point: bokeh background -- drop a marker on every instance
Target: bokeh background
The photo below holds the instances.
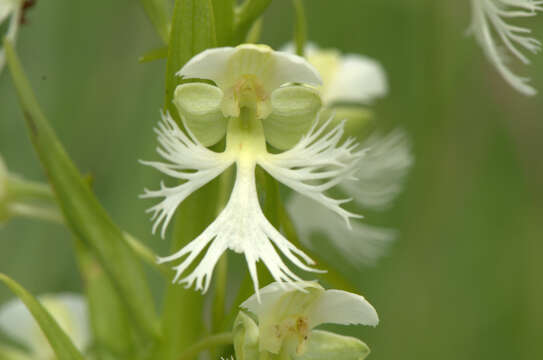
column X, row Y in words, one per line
column 463, row 281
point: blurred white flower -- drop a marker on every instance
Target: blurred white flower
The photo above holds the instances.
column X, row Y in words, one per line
column 489, row 18
column 9, row 8
column 249, row 78
column 347, row 78
column 68, row 310
column 287, row 316
column 355, row 80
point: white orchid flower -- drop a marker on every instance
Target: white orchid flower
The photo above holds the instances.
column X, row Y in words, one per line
column 348, row 78
column 252, row 107
column 349, row 82
column 68, row 310
column 490, row 16
column 9, row 8
column 287, row 316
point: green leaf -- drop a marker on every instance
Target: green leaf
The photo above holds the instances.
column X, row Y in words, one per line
column 182, row 319
column 59, row 341
column 158, row 13
column 246, row 15
column 324, row 345
column 224, row 20
column 300, row 27
column 193, row 31
column 108, row 317
column 155, row 54
column 11, row 353
column 82, row 211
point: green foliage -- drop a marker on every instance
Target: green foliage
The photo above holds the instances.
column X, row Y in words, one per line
column 82, row 211
column 60, row 342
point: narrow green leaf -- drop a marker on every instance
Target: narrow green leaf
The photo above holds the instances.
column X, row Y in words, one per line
column 253, row 36
column 246, row 15
column 109, row 319
column 159, row 14
column 82, row 211
column 182, row 319
column 193, row 31
column 60, row 342
column 224, row 21
column 155, row 54
column 300, row 27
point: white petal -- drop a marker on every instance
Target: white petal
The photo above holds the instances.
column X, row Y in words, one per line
column 382, row 170
column 342, row 307
column 242, row 227
column 271, row 293
column 69, row 310
column 487, row 17
column 358, row 79
column 226, row 65
column 363, row 244
column 187, row 160
column 316, row 164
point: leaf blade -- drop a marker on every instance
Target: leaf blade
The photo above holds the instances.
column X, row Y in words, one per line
column 83, row 213
column 59, row 341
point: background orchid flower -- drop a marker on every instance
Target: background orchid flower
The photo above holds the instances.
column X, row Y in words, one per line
column 9, row 9
column 251, row 107
column 350, row 83
column 490, row 16
column 287, row 317
column 70, row 312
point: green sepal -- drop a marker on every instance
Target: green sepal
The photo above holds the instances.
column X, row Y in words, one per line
column 83, row 213
column 295, row 109
column 359, row 121
column 324, row 345
column 59, row 341
column 199, row 105
column 246, row 14
column 245, row 337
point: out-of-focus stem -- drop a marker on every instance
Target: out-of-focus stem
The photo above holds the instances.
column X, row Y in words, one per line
column 207, row 343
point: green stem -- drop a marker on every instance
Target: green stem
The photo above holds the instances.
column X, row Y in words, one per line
column 300, row 27
column 146, row 254
column 49, row 214
column 20, row 188
column 207, row 343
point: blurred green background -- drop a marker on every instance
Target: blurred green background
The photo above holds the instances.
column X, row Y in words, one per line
column 463, row 281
